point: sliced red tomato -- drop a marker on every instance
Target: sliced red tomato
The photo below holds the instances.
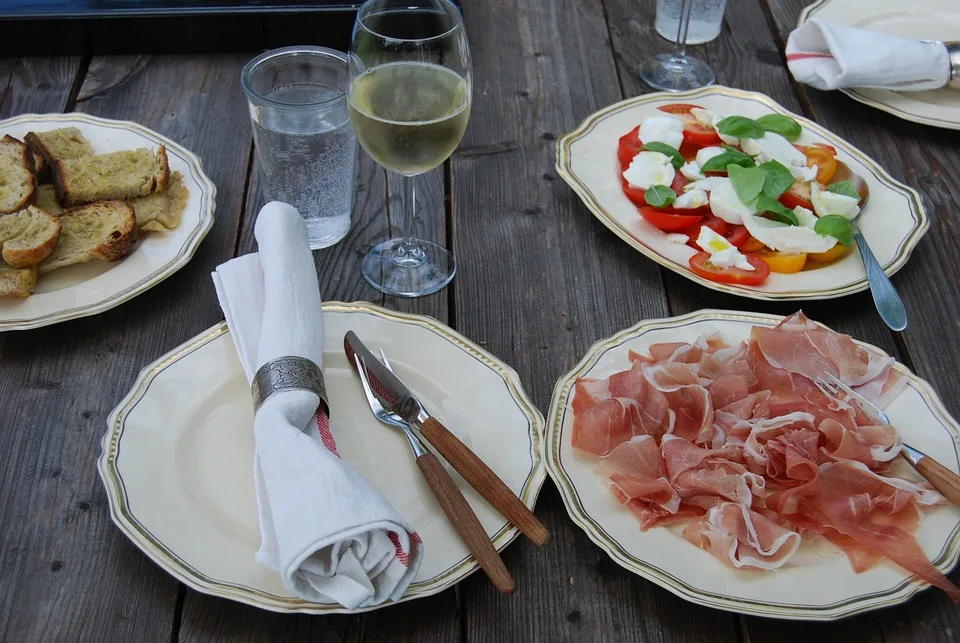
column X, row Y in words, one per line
column 694, row 133
column 628, row 147
column 700, row 264
column 715, row 223
column 668, row 219
column 737, row 235
column 633, row 193
column 798, row 194
column 679, row 181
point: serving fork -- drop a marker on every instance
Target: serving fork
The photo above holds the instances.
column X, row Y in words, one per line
column 451, row 500
column 943, row 479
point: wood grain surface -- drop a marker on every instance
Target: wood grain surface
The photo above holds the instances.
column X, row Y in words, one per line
column 539, row 280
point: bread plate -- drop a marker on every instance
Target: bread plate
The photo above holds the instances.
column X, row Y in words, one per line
column 825, row 587
column 893, row 221
column 178, row 452
column 923, row 19
column 91, row 288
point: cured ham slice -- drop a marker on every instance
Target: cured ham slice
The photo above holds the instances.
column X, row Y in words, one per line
column 743, row 538
column 738, row 441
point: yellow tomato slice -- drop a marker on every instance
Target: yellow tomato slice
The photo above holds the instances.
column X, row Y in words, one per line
column 824, row 158
column 784, row 262
column 751, row 245
column 832, row 254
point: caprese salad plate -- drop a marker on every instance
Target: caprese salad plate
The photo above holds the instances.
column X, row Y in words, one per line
column 731, row 190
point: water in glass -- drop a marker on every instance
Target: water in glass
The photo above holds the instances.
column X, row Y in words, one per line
column 706, row 19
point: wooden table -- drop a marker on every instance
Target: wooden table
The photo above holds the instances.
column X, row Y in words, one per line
column 539, row 281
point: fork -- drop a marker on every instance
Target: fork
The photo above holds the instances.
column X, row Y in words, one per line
column 451, row 500
column 943, row 479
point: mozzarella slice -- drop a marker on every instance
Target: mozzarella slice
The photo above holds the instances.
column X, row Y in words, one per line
column 710, row 119
column 773, row 147
column 826, row 202
column 691, row 170
column 662, row 129
column 725, row 203
column 803, row 174
column 806, row 217
column 649, row 168
column 785, row 237
column 723, row 254
column 705, row 184
column 708, row 153
column 676, row 237
column 691, row 199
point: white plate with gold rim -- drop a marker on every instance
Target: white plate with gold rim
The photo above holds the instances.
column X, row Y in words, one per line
column 893, row 221
column 96, row 286
column 923, row 19
column 177, row 459
column 825, row 587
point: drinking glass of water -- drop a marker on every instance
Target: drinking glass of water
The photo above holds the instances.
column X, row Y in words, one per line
column 677, row 71
column 301, row 130
column 409, row 102
column 706, row 19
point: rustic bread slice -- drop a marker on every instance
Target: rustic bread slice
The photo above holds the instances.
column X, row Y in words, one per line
column 17, row 183
column 162, row 212
column 118, row 175
column 28, row 237
column 63, row 143
column 47, row 199
column 16, row 283
column 104, row 230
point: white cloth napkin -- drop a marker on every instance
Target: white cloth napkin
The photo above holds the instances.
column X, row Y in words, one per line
column 329, row 534
column 829, row 56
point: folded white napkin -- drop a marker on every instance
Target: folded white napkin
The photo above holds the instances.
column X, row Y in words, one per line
column 330, row 535
column 829, row 56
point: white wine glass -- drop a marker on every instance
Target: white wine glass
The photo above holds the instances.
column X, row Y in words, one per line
column 677, row 71
column 409, row 101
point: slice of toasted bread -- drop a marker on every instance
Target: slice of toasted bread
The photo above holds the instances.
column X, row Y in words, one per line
column 16, row 283
column 28, row 237
column 104, row 230
column 17, row 183
column 56, row 144
column 47, row 199
column 118, row 175
column 161, row 212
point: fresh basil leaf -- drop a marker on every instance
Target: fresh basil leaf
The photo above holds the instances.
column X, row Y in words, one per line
column 659, row 196
column 740, row 126
column 675, row 157
column 780, row 124
column 845, row 188
column 778, row 178
column 834, row 225
column 747, row 182
column 777, row 210
column 730, row 156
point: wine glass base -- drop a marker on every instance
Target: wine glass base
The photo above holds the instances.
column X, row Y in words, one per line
column 671, row 73
column 390, row 269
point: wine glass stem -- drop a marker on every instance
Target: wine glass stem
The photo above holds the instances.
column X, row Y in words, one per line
column 408, row 253
column 683, row 24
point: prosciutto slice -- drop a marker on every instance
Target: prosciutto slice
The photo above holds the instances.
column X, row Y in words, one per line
column 738, row 441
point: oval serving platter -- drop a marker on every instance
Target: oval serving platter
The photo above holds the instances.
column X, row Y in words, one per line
column 96, row 286
column 825, row 587
column 893, row 221
column 177, row 459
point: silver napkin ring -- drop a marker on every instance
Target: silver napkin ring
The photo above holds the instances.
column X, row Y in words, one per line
column 953, row 51
column 290, row 373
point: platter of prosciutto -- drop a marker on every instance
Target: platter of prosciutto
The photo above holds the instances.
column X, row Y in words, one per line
column 734, row 192
column 698, row 452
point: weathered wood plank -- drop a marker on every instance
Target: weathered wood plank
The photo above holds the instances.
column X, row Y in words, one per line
column 37, row 85
column 925, row 158
column 69, row 574
column 540, row 280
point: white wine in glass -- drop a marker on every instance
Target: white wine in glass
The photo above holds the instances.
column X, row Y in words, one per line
column 409, row 103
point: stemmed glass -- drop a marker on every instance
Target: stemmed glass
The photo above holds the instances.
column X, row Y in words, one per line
column 675, row 72
column 409, row 101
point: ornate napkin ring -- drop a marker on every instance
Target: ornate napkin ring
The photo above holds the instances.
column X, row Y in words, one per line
column 953, row 50
column 290, row 373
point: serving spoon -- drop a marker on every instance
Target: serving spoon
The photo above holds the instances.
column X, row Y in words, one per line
column 885, row 296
